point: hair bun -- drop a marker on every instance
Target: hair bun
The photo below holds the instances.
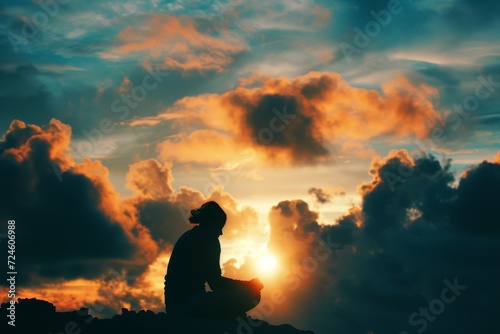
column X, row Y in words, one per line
column 195, row 213
column 209, row 213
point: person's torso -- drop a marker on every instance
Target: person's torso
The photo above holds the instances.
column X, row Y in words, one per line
column 187, row 270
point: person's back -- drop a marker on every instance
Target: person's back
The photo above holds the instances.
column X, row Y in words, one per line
column 193, row 262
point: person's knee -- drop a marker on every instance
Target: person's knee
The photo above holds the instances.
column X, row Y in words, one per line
column 253, row 295
column 251, row 298
column 256, row 297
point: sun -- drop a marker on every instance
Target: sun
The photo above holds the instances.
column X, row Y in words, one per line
column 268, row 264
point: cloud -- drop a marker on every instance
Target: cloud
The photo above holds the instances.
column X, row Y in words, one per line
column 296, row 134
column 400, row 187
column 320, row 195
column 293, row 229
column 391, row 256
column 125, row 86
column 148, row 178
column 326, row 55
column 193, row 148
column 299, row 121
column 242, row 222
column 322, row 16
column 475, row 209
column 324, row 196
column 178, row 42
column 69, row 221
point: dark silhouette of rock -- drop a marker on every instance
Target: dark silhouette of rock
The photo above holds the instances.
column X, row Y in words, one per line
column 39, row 316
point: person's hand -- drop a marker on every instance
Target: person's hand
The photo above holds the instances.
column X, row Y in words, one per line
column 256, row 284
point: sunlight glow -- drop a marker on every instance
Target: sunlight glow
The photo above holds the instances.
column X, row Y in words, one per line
column 268, row 264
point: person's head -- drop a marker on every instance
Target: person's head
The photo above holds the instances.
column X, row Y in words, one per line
column 210, row 216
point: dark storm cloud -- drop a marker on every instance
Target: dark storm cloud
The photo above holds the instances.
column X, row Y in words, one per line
column 318, row 88
column 63, row 228
column 412, row 243
column 387, row 200
column 290, row 126
column 294, row 220
column 476, row 206
column 340, row 233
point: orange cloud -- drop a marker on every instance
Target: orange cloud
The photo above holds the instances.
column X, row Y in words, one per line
column 74, row 203
column 201, row 146
column 322, row 15
column 357, row 148
column 125, row 86
column 497, row 158
column 300, row 121
column 21, row 141
column 293, row 229
column 150, row 179
column 326, row 55
column 241, row 222
column 254, row 79
column 400, row 156
column 151, row 121
column 179, row 43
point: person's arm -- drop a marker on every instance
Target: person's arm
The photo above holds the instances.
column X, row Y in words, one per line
column 214, row 274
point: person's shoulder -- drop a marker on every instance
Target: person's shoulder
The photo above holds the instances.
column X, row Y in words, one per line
column 186, row 242
column 190, row 235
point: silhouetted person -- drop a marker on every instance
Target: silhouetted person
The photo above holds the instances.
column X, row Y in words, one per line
column 195, row 260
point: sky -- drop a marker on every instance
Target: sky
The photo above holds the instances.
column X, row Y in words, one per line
column 354, row 145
